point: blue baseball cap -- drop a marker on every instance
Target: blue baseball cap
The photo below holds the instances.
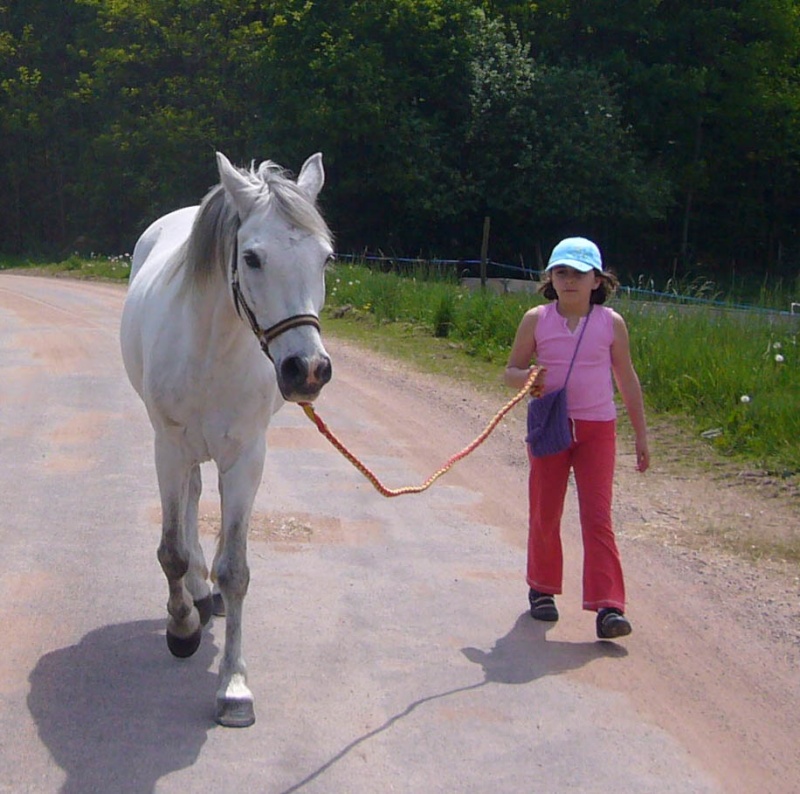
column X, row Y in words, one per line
column 577, row 252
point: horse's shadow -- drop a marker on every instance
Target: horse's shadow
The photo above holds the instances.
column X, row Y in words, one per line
column 117, row 712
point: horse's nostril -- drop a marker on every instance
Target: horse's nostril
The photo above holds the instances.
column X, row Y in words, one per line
column 324, row 370
column 294, row 370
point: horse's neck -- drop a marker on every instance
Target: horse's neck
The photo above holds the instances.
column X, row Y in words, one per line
column 213, row 317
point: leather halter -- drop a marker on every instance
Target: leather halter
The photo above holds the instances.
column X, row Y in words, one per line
column 264, row 335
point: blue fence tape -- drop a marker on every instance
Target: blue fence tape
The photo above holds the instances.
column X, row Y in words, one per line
column 535, row 274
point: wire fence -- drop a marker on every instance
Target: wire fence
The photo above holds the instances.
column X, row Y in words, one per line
column 461, row 267
column 470, row 267
column 691, row 300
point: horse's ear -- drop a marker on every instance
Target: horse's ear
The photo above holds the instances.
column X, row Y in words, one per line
column 312, row 176
column 235, row 185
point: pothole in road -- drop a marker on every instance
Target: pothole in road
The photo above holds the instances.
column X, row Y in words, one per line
column 288, row 531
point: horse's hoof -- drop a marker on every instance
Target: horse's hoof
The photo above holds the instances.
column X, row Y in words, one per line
column 219, row 605
column 205, row 607
column 235, row 713
column 184, row 647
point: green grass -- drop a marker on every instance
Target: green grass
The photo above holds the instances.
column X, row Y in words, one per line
column 719, row 373
column 114, row 268
column 482, row 324
column 736, row 377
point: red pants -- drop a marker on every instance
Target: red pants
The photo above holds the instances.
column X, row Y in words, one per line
column 592, row 457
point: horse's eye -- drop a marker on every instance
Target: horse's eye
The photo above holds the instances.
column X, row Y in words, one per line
column 251, row 260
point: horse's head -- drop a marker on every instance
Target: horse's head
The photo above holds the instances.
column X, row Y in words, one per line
column 277, row 269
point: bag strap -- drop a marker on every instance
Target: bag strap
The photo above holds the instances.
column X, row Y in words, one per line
column 585, row 323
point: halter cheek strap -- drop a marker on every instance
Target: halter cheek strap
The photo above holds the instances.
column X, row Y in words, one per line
column 264, row 336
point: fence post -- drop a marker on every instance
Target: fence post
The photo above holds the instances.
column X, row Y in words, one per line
column 485, row 250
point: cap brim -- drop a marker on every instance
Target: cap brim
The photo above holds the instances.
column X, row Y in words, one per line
column 574, row 263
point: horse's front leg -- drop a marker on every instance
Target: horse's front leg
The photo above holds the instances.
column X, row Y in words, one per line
column 197, row 575
column 238, row 487
column 184, row 629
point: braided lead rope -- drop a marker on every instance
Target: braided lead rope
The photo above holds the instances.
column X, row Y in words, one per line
column 409, row 489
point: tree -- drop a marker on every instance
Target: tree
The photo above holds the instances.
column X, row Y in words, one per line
column 381, row 89
column 664, row 127
column 159, row 81
column 549, row 152
column 37, row 124
column 709, row 87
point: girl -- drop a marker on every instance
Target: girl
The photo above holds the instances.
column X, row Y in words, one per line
column 577, row 286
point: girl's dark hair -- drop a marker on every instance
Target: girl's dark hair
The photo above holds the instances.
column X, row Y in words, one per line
column 608, row 285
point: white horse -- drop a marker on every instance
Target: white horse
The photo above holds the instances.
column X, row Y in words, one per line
column 212, row 290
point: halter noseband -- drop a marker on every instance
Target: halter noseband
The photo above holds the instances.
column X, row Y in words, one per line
column 264, row 336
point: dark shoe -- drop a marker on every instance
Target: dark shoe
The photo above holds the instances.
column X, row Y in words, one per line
column 612, row 623
column 543, row 606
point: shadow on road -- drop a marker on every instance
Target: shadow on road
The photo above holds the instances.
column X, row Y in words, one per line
column 117, row 712
column 525, row 654
column 519, row 657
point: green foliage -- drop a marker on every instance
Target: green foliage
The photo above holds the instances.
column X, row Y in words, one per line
column 480, row 322
column 565, row 130
column 666, row 130
column 381, row 89
column 444, row 313
column 734, row 375
column 112, row 268
column 711, row 90
column 737, row 375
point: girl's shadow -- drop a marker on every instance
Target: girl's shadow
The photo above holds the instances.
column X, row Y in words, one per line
column 525, row 654
column 519, row 657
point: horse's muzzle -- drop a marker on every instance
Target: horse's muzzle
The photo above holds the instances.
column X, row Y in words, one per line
column 302, row 377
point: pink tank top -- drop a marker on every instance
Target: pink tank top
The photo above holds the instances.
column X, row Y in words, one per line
column 590, row 390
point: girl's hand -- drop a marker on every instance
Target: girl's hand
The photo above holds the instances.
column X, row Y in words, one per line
column 537, row 387
column 642, row 455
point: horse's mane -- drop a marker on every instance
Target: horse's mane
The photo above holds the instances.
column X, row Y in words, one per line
column 211, row 241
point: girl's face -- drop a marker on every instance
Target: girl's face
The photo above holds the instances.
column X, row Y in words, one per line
column 572, row 285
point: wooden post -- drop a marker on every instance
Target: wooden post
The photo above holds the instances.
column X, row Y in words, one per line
column 485, row 250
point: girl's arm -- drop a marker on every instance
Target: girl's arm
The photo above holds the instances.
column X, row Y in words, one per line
column 523, row 351
column 631, row 390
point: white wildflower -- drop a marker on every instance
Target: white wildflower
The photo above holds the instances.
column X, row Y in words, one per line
column 745, row 398
column 779, row 358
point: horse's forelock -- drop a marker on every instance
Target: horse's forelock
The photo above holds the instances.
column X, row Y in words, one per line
column 290, row 200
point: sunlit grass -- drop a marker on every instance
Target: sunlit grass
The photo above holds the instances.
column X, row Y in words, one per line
column 734, row 376
column 109, row 268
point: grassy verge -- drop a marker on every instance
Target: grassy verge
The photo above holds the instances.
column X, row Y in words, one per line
column 115, row 268
column 722, row 388
column 733, row 377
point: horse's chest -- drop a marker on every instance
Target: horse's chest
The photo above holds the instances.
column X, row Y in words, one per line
column 214, row 401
